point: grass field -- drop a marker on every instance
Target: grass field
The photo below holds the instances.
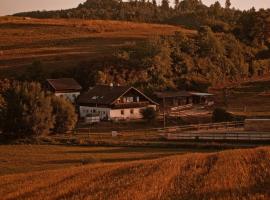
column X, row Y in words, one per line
column 64, row 43
column 249, row 99
column 29, row 158
column 234, row 175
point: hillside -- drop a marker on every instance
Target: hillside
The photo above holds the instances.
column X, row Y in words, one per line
column 249, row 98
column 238, row 174
column 66, row 42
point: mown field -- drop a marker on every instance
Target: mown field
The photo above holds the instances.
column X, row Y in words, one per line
column 234, row 175
column 62, row 43
column 28, row 158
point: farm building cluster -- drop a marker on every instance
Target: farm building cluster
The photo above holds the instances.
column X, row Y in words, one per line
column 114, row 102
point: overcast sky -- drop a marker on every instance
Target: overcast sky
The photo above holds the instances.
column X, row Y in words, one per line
column 12, row 6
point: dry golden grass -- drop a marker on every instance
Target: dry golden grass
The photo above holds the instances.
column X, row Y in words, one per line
column 28, row 158
column 59, row 41
column 235, row 175
column 246, row 99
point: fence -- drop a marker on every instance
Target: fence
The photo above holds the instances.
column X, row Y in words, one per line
column 236, row 136
column 206, row 127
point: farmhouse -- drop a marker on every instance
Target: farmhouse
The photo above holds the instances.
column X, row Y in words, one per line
column 114, row 102
column 64, row 87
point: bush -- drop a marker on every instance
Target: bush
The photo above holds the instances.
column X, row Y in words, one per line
column 65, row 117
column 221, row 115
column 149, row 114
column 26, row 110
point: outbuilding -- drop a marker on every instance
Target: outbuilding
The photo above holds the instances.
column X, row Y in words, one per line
column 68, row 88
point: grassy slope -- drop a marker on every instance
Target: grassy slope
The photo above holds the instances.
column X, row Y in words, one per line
column 63, row 43
column 239, row 174
column 249, row 98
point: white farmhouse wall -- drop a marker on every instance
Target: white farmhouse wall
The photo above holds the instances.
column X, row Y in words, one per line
column 103, row 112
column 113, row 114
column 70, row 96
column 124, row 114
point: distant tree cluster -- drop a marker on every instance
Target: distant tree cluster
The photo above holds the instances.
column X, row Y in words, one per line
column 175, row 62
column 27, row 110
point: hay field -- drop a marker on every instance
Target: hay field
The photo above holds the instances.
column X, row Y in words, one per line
column 235, row 175
column 28, row 158
column 66, row 42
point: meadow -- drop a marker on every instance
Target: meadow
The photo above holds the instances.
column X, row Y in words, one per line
column 250, row 98
column 228, row 175
column 63, row 43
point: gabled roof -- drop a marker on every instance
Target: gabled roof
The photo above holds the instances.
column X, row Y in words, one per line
column 64, row 84
column 106, row 95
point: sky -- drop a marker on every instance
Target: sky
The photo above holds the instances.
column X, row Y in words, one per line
column 8, row 7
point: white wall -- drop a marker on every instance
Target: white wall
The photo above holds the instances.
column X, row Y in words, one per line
column 70, row 96
column 113, row 114
column 127, row 114
column 103, row 112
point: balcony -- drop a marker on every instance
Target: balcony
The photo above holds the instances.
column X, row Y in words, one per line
column 130, row 105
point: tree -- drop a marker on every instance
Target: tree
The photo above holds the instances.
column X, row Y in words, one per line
column 65, row 117
column 228, row 4
column 27, row 111
column 221, row 115
column 149, row 114
column 176, row 4
column 165, row 4
column 209, row 43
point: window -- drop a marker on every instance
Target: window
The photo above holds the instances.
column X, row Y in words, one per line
column 122, row 112
column 138, row 99
column 131, row 111
column 129, row 99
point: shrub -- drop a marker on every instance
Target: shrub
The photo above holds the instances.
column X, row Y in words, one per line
column 65, row 117
column 27, row 110
column 221, row 115
column 149, row 114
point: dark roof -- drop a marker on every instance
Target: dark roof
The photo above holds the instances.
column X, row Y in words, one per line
column 106, row 95
column 172, row 94
column 201, row 94
column 64, row 84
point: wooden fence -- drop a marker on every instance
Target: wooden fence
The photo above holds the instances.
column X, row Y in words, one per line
column 205, row 127
column 230, row 136
column 231, row 131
